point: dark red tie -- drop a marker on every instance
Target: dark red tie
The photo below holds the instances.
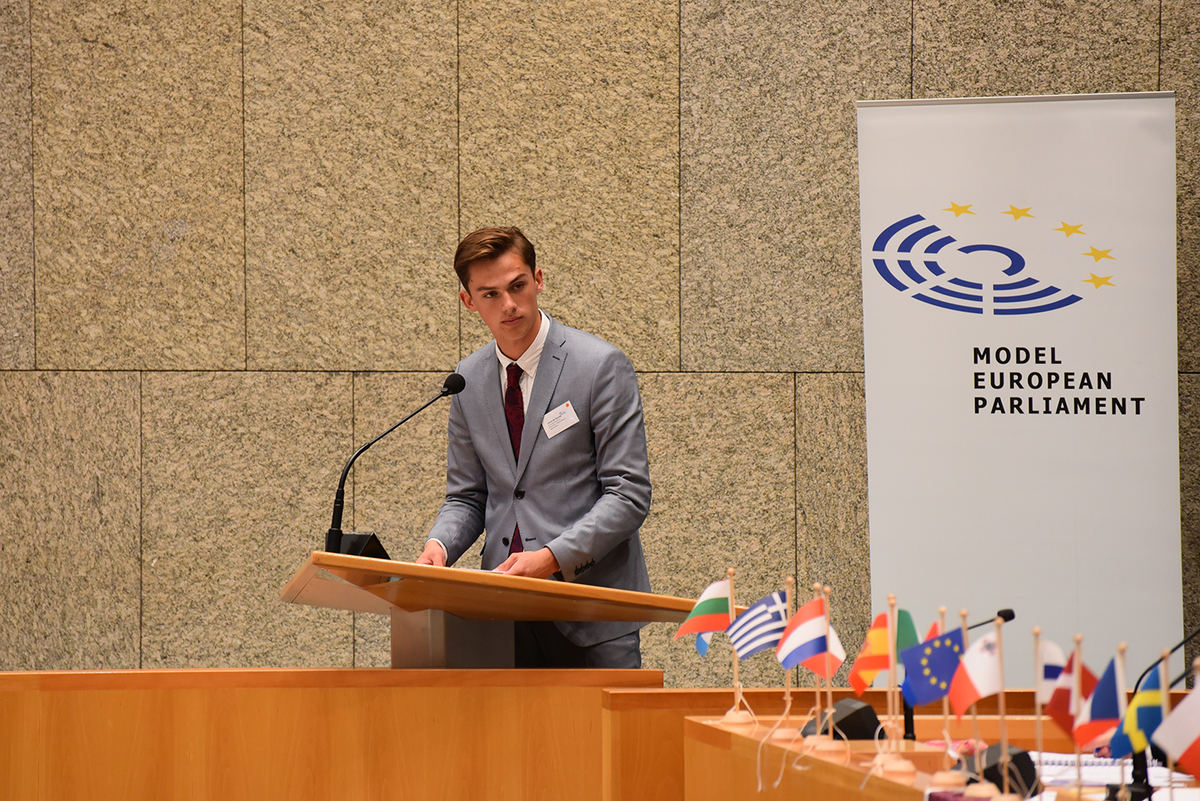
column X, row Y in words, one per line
column 514, row 414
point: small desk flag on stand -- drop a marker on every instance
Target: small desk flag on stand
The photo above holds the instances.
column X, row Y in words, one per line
column 1061, row 709
column 709, row 614
column 978, row 674
column 1141, row 719
column 1101, row 711
column 759, row 627
column 1179, row 734
column 1052, row 661
column 929, row 668
column 804, row 641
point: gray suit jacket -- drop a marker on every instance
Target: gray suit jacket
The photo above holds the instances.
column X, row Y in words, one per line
column 582, row 493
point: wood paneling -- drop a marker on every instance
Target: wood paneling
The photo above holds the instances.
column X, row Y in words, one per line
column 319, row 734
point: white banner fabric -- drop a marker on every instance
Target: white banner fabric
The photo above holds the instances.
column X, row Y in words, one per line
column 1021, row 369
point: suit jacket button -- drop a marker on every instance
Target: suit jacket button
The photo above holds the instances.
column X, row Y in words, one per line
column 519, row 494
column 504, row 540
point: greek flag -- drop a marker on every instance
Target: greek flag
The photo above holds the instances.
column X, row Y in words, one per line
column 759, row 626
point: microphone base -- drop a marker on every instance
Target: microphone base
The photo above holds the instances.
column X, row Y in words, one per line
column 333, row 540
column 1137, row 792
column 355, row 543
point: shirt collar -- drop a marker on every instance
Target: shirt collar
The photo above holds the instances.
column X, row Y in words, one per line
column 528, row 361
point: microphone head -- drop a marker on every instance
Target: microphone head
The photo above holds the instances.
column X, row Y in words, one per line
column 453, row 384
column 1007, row 615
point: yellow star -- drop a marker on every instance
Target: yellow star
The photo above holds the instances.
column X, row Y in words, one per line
column 1071, row 229
column 1018, row 213
column 1100, row 254
column 959, row 210
column 1099, row 280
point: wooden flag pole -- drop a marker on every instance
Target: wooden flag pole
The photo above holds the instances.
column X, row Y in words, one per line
column 946, row 761
column 1121, row 648
column 891, row 691
column 1003, row 729
column 1164, row 681
column 828, row 661
column 816, row 588
column 1039, row 670
column 737, row 685
column 1076, row 691
column 789, row 583
column 962, row 614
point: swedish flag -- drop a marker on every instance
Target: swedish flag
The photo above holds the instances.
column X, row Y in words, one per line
column 1141, row 719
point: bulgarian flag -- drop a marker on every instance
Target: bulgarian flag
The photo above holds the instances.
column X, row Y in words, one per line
column 711, row 612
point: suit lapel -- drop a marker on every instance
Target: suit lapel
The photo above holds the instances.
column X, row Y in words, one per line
column 550, row 366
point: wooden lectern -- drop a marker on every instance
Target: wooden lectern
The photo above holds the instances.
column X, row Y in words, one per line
column 445, row 617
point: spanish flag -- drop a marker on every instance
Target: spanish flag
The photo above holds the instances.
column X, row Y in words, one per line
column 873, row 655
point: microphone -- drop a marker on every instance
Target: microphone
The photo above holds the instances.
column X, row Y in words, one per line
column 1007, row 615
column 453, row 385
column 1140, row 783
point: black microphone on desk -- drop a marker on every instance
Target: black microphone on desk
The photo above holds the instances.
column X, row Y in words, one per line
column 1139, row 786
column 368, row 544
column 1007, row 615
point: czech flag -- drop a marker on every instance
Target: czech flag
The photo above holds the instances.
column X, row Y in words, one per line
column 1103, row 709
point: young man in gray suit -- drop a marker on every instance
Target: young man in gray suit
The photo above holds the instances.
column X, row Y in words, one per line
column 547, row 453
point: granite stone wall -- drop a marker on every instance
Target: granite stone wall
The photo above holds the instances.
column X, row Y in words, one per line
column 225, row 242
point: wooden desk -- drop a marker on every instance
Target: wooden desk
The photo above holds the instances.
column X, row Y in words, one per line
column 723, row 765
column 305, row 735
column 645, row 730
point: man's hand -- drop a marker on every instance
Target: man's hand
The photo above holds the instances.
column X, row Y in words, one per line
column 433, row 554
column 535, row 564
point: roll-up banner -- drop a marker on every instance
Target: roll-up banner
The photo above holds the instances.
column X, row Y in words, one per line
column 1018, row 261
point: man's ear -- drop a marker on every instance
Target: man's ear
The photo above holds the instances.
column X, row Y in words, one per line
column 465, row 297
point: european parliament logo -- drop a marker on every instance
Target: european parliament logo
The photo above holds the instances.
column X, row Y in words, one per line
column 922, row 260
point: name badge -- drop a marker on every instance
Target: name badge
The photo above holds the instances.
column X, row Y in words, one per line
column 558, row 420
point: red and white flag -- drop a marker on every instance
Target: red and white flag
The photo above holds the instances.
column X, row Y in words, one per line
column 1179, row 734
column 1061, row 708
column 978, row 674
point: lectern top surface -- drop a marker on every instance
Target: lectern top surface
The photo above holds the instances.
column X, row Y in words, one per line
column 378, row 585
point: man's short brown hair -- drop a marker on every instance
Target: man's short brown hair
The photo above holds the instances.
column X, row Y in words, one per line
column 491, row 243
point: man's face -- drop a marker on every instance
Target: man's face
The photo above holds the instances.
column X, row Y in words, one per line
column 504, row 293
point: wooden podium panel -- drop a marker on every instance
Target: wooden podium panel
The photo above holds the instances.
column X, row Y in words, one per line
column 645, row 741
column 377, row 585
column 305, row 735
column 724, row 765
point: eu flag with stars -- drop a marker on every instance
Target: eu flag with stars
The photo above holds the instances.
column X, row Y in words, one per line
column 929, row 667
